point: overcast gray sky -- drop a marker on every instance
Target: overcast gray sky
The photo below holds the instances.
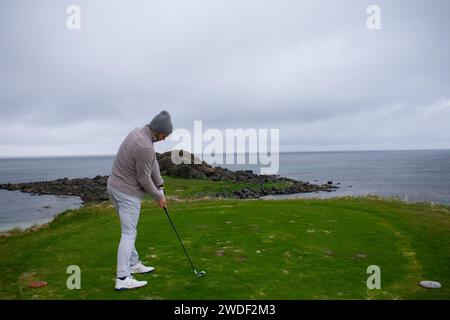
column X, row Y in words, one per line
column 310, row 68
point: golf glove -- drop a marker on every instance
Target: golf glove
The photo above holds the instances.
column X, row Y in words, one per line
column 161, row 190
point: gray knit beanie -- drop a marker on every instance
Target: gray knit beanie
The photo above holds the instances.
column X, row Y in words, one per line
column 161, row 123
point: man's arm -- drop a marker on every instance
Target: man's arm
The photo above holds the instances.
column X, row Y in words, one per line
column 145, row 159
column 156, row 174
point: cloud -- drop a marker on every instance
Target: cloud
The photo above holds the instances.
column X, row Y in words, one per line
column 311, row 69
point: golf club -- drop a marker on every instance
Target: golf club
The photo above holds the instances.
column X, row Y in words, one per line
column 198, row 274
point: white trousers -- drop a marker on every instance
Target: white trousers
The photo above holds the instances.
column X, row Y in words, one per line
column 128, row 207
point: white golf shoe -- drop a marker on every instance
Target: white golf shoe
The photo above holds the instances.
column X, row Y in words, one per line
column 140, row 268
column 129, row 283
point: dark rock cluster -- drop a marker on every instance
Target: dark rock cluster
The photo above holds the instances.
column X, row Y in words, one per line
column 88, row 189
column 94, row 189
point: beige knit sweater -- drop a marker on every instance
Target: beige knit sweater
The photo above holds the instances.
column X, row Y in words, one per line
column 136, row 170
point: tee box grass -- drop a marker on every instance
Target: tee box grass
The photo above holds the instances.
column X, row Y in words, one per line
column 250, row 249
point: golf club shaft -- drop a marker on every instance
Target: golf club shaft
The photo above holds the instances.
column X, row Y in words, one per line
column 182, row 245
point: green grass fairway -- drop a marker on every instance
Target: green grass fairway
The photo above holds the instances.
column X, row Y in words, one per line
column 255, row 249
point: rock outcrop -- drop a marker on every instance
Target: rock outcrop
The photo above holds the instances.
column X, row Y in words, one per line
column 94, row 189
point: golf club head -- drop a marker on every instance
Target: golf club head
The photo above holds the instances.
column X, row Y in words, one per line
column 200, row 274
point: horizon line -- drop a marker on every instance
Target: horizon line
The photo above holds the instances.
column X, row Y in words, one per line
column 297, row 151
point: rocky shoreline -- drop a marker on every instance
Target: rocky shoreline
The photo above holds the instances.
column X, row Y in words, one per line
column 94, row 189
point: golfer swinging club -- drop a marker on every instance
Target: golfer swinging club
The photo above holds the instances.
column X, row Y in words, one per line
column 136, row 173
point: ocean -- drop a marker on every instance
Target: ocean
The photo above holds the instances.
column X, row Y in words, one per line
column 23, row 210
column 411, row 175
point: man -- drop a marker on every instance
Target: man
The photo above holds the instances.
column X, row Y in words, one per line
column 136, row 173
